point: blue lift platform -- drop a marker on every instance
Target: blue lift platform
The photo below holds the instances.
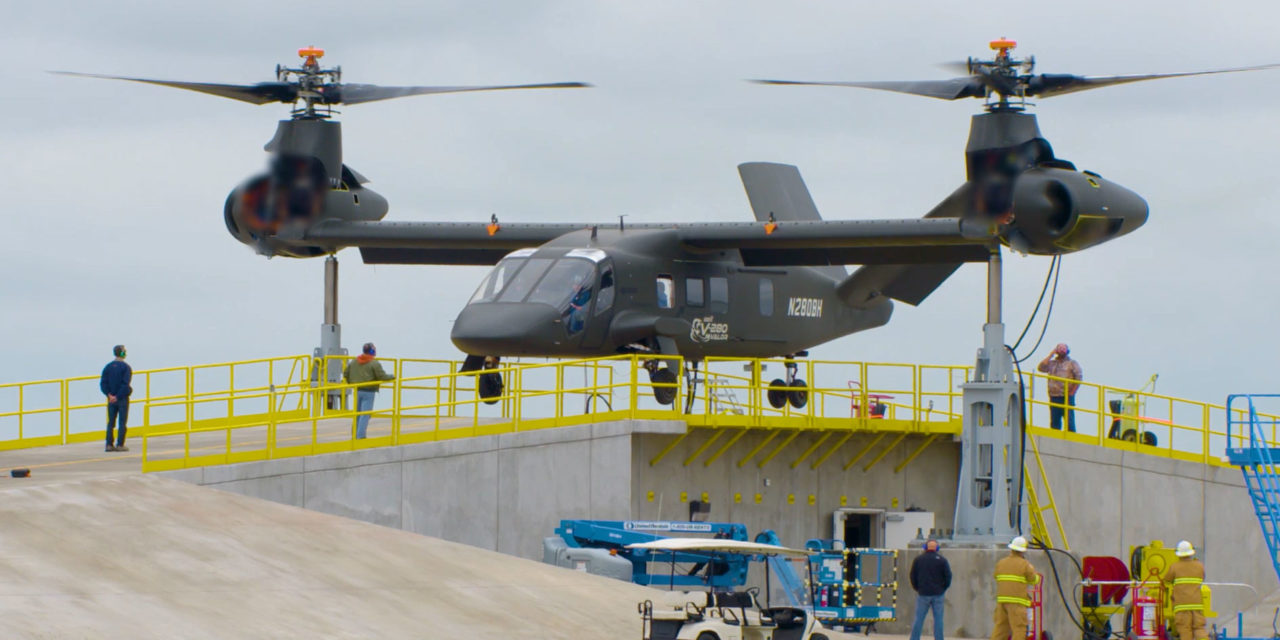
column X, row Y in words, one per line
column 849, row 587
column 720, row 572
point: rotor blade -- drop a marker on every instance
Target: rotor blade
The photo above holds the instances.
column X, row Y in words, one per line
column 950, row 89
column 357, row 93
column 1049, row 85
column 260, row 93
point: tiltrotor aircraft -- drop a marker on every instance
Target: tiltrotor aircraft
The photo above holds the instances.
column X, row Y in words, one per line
column 773, row 287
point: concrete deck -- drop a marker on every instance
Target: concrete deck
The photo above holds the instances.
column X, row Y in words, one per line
column 88, row 460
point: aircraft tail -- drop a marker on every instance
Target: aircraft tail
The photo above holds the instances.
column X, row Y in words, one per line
column 778, row 190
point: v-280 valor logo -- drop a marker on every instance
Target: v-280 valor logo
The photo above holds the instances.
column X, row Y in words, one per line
column 708, row 330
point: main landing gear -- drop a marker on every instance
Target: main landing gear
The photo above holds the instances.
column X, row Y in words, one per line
column 662, row 376
column 793, row 390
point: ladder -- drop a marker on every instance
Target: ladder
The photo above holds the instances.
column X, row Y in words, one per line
column 721, row 396
column 1257, row 461
column 1039, row 524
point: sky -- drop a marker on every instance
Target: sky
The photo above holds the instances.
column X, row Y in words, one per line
column 114, row 190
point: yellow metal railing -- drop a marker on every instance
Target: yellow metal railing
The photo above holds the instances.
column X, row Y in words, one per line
column 272, row 407
column 71, row 410
column 1039, row 504
column 1139, row 421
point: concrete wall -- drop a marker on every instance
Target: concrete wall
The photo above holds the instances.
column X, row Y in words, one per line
column 507, row 492
column 504, row 492
column 928, row 482
column 1111, row 500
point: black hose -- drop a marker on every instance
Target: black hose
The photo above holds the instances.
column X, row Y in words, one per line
column 1049, row 312
column 1071, row 606
column 1022, row 427
column 1034, row 312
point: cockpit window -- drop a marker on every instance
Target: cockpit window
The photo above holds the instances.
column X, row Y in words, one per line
column 605, row 301
column 493, row 283
column 565, row 281
column 525, row 279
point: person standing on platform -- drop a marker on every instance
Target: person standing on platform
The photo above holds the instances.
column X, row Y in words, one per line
column 930, row 577
column 1184, row 579
column 116, row 377
column 1062, row 393
column 1014, row 578
column 367, row 374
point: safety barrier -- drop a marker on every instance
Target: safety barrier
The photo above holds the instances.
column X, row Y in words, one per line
column 71, row 410
column 1139, row 421
column 275, row 407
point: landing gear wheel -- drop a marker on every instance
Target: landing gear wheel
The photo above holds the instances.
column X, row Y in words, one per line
column 777, row 393
column 798, row 396
column 490, row 387
column 1149, row 438
column 664, row 395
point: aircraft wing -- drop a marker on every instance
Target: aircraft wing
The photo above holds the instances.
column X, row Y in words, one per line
column 789, row 243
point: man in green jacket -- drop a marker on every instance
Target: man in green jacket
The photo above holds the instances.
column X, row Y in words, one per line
column 367, row 373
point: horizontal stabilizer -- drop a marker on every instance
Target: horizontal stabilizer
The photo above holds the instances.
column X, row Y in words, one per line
column 912, row 283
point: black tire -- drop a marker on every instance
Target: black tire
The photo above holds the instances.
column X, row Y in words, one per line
column 490, row 387
column 1149, row 439
column 1130, row 435
column 818, row 636
column 798, row 396
column 707, row 635
column 777, row 393
column 664, row 395
column 1046, row 635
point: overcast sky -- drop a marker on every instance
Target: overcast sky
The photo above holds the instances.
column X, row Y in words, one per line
column 114, row 191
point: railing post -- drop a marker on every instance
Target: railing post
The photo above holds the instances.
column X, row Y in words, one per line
column 65, row 418
column 559, row 390
column 396, row 403
column 635, row 387
column 191, row 408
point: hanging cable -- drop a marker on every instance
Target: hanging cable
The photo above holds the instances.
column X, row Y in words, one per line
column 1022, row 428
column 1053, row 295
column 1053, row 264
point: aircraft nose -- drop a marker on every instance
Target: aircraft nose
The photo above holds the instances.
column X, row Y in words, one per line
column 506, row 329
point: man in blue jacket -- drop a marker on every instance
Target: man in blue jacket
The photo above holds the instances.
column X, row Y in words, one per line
column 116, row 377
column 930, row 577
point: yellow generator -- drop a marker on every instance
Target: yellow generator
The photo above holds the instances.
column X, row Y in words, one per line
column 1134, row 591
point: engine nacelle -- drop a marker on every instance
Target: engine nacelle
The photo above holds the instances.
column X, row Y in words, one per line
column 1058, row 210
column 271, row 212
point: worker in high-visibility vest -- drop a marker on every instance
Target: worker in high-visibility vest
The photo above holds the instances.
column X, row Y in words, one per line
column 1184, row 579
column 1014, row 577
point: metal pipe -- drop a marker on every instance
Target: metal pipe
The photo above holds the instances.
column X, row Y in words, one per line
column 994, row 287
column 331, row 290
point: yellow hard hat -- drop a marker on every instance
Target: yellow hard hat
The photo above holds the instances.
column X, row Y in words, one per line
column 1018, row 544
column 1185, row 550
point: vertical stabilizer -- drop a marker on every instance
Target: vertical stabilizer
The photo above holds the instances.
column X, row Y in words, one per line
column 777, row 190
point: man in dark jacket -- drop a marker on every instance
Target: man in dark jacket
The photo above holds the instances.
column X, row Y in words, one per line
column 116, row 377
column 930, row 577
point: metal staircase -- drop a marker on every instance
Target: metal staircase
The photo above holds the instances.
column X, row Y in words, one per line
column 1257, row 460
column 1040, row 524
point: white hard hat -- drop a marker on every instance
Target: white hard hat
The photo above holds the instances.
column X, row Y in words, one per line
column 1018, row 544
column 1185, row 550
